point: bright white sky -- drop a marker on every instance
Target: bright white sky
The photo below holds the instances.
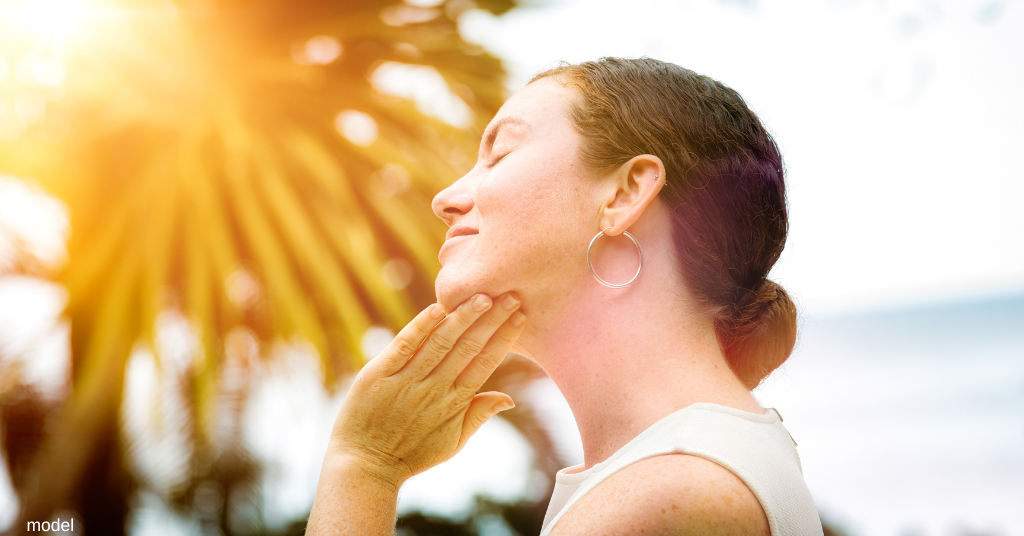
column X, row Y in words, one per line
column 899, row 122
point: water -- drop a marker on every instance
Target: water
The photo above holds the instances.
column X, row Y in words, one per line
column 911, row 421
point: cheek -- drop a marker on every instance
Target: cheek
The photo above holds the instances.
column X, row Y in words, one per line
column 532, row 225
column 531, row 215
column 534, row 189
column 515, row 206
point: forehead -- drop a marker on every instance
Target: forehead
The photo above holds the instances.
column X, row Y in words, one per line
column 542, row 105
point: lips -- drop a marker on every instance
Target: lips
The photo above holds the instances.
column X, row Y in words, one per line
column 451, row 238
column 459, row 230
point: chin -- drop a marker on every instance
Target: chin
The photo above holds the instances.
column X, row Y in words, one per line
column 456, row 284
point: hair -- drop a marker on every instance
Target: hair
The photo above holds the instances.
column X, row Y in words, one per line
column 724, row 184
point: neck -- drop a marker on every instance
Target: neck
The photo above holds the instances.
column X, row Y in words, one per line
column 626, row 358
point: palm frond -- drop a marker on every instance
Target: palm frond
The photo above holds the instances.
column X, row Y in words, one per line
column 199, row 148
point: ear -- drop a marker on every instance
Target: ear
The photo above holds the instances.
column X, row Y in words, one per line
column 632, row 187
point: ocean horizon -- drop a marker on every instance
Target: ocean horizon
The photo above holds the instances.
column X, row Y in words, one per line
column 910, row 420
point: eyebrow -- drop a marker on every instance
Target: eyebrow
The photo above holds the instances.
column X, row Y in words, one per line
column 492, row 132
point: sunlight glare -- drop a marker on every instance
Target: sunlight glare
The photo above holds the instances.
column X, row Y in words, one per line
column 319, row 50
column 58, row 19
column 424, row 85
column 397, row 273
column 357, row 127
column 29, row 107
column 48, row 72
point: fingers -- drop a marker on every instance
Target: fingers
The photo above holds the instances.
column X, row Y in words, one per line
column 405, row 344
column 481, row 409
column 446, row 334
column 481, row 367
column 475, row 339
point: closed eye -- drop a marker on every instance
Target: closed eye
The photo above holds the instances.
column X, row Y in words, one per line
column 494, row 162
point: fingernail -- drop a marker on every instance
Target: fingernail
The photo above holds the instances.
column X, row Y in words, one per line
column 503, row 406
column 436, row 311
column 509, row 302
column 481, row 302
column 517, row 319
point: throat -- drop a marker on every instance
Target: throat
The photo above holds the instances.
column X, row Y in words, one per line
column 619, row 380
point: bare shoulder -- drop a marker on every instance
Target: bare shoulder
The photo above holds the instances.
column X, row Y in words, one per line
column 674, row 494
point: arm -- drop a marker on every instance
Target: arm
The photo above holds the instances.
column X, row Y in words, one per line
column 674, row 494
column 352, row 500
column 409, row 409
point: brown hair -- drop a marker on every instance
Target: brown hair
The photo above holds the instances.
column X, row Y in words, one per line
column 724, row 183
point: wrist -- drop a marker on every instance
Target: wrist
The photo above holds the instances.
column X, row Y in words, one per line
column 365, row 469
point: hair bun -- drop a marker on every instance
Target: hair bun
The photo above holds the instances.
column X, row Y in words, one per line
column 759, row 332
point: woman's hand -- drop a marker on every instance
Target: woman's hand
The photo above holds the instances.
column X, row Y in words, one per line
column 415, row 405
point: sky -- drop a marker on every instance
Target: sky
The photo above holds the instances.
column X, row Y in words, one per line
column 898, row 121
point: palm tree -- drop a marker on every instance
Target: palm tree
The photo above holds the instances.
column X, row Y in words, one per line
column 29, row 257
column 232, row 160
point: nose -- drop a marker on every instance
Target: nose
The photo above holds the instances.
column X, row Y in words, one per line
column 455, row 200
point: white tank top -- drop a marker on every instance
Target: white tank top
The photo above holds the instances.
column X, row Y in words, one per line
column 756, row 448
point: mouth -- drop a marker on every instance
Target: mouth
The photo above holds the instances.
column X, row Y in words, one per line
column 455, row 234
column 459, row 230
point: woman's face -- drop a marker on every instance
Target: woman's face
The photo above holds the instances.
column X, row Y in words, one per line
column 521, row 218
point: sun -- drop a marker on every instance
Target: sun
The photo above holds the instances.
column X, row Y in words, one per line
column 57, row 20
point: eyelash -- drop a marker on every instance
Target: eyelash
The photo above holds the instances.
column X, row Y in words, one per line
column 496, row 160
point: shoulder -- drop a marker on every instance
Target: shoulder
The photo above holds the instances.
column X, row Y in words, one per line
column 673, row 494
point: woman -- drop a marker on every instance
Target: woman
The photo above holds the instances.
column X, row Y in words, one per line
column 655, row 338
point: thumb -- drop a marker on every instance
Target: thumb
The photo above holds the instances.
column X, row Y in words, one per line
column 481, row 409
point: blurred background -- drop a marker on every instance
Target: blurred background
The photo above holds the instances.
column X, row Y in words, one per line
column 212, row 212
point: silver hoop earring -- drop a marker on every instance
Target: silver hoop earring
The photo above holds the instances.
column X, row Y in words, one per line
column 602, row 281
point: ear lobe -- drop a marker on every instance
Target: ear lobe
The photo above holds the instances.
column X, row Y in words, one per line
column 640, row 181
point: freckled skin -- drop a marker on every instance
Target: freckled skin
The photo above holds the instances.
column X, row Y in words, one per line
column 536, row 211
column 623, row 358
column 667, row 495
column 529, row 208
